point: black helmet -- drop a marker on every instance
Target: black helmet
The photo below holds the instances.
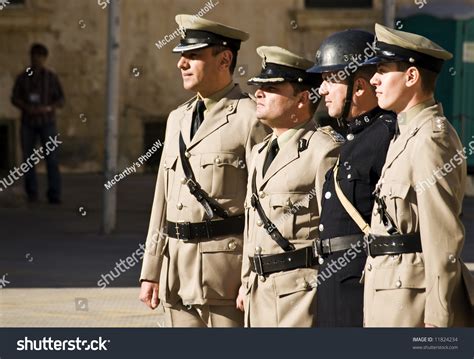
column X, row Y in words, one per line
column 346, row 50
column 342, row 48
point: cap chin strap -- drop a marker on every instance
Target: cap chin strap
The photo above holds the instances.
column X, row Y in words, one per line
column 342, row 120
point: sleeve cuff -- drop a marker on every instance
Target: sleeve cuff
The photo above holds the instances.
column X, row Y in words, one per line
column 151, row 267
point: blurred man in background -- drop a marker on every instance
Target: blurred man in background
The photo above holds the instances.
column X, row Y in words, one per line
column 38, row 93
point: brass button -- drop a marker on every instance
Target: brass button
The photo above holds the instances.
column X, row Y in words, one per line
column 217, row 160
column 350, row 136
column 259, row 223
column 183, row 180
column 288, row 203
column 321, row 227
column 261, row 194
column 179, row 206
column 369, row 267
column 398, row 284
column 452, row 258
column 258, row 250
column 164, row 165
column 327, row 195
column 187, row 154
column 320, row 260
column 232, row 245
column 262, row 278
column 349, row 176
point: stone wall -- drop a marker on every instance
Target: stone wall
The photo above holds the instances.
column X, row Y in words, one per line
column 150, row 86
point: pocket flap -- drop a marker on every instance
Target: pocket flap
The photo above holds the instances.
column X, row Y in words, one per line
column 400, row 277
column 351, row 174
column 170, row 162
column 221, row 159
column 232, row 244
column 292, row 282
column 395, row 190
column 289, row 200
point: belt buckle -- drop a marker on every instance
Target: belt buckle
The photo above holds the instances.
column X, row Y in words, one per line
column 317, row 250
column 185, row 230
column 258, row 265
column 192, row 185
column 368, row 239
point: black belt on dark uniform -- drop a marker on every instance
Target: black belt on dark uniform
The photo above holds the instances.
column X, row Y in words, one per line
column 267, row 264
column 188, row 231
column 393, row 244
column 336, row 244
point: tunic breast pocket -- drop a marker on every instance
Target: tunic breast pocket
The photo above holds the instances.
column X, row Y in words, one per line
column 291, row 215
column 223, row 175
column 169, row 166
column 356, row 186
column 396, row 196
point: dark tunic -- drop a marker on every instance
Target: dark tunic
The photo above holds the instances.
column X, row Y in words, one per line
column 340, row 295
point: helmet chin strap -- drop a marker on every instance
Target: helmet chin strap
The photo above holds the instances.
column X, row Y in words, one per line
column 342, row 120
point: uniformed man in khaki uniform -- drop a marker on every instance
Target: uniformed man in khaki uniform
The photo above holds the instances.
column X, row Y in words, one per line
column 194, row 242
column 279, row 271
column 413, row 275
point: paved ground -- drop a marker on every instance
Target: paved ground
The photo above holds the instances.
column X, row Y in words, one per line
column 44, row 249
column 52, row 257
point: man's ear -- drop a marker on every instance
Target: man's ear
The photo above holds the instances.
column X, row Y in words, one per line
column 412, row 76
column 226, row 58
column 360, row 86
column 304, row 99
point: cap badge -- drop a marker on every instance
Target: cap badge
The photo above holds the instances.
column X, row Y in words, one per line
column 182, row 32
column 388, row 53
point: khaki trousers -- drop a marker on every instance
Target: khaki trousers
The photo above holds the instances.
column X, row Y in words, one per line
column 203, row 316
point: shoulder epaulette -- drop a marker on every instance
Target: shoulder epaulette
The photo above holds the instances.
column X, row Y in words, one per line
column 336, row 136
column 439, row 124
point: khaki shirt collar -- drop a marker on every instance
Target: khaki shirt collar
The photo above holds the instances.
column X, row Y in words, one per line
column 404, row 119
column 210, row 101
column 286, row 136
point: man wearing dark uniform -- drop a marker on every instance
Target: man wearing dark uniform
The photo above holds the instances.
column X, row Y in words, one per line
column 353, row 102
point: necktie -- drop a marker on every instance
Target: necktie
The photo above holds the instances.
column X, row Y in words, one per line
column 198, row 117
column 272, row 153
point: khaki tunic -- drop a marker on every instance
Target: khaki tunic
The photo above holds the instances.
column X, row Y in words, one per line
column 290, row 194
column 423, row 183
column 205, row 272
